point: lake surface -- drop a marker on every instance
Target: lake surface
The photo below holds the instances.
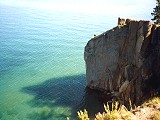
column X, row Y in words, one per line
column 42, row 69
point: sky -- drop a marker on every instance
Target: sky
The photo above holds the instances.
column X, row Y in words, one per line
column 89, row 6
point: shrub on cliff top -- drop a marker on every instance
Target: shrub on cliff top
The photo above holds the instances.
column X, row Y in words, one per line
column 156, row 13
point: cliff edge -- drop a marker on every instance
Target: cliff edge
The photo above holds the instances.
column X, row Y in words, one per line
column 125, row 60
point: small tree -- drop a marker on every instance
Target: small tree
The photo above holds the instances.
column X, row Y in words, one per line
column 156, row 13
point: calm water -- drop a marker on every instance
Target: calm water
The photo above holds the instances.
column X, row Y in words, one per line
column 42, row 71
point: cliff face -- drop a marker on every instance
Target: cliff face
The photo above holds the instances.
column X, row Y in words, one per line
column 125, row 60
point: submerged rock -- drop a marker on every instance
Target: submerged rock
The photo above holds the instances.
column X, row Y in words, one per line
column 125, row 59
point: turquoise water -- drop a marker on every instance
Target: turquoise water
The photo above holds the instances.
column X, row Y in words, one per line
column 42, row 71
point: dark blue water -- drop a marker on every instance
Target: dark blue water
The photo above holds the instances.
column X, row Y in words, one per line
column 42, row 71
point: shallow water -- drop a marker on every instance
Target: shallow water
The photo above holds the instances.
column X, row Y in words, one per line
column 42, row 71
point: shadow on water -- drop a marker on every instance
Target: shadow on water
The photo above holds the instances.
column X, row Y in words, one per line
column 65, row 92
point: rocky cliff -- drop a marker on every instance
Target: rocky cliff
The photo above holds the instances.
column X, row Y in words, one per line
column 125, row 60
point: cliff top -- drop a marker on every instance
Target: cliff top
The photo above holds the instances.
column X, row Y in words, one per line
column 121, row 23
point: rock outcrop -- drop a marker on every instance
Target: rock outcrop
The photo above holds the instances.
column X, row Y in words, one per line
column 125, row 60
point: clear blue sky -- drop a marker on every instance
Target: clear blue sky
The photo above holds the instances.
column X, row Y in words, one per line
column 109, row 7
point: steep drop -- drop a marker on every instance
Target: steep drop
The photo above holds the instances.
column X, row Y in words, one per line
column 125, row 60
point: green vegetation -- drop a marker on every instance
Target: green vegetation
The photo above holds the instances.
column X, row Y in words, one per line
column 148, row 110
column 156, row 13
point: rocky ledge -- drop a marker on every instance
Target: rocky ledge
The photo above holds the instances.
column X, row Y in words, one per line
column 125, row 60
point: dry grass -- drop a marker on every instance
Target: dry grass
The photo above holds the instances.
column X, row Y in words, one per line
column 83, row 115
column 149, row 110
column 154, row 101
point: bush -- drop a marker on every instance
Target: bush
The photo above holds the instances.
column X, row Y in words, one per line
column 148, row 110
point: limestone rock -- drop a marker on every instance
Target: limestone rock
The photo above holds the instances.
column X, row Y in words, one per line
column 125, row 59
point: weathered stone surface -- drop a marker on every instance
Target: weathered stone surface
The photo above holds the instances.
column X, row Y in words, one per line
column 125, row 59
